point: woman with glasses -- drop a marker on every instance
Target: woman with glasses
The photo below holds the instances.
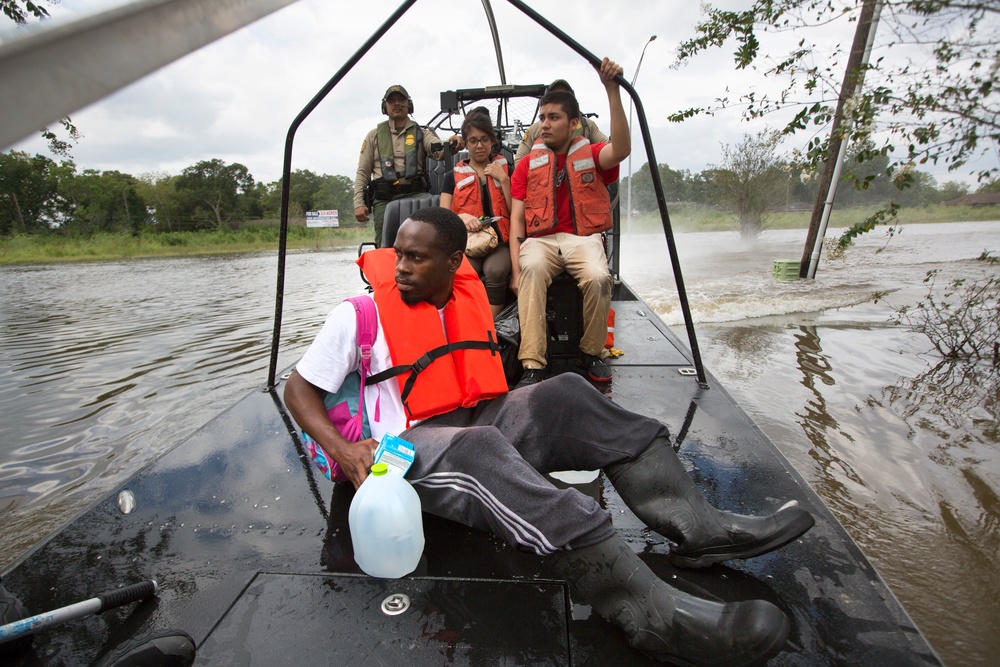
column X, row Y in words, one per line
column 478, row 189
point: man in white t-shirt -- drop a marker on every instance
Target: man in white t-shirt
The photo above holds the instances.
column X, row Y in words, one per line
column 484, row 466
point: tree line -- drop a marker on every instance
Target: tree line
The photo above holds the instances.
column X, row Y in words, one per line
column 753, row 181
column 39, row 195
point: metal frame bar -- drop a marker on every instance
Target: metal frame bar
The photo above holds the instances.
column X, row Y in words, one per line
column 568, row 41
column 286, row 177
column 661, row 200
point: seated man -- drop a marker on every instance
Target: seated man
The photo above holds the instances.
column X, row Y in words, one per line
column 482, row 454
column 560, row 207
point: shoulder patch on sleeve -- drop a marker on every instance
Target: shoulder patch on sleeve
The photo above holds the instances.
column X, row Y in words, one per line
column 364, row 145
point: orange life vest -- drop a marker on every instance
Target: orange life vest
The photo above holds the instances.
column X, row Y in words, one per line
column 439, row 376
column 467, row 196
column 590, row 204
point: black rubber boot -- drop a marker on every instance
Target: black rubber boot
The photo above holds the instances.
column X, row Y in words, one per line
column 664, row 623
column 661, row 493
column 160, row 648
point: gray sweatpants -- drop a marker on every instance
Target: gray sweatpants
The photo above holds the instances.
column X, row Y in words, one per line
column 483, row 466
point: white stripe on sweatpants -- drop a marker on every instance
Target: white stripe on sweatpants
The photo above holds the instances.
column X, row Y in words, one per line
column 523, row 532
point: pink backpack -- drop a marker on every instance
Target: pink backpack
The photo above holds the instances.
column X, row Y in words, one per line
column 342, row 403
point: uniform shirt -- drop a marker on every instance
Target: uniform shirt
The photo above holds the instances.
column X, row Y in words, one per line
column 368, row 163
column 590, row 130
column 564, row 213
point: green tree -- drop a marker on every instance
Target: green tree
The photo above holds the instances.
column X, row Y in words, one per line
column 751, row 181
column 337, row 192
column 922, row 191
column 991, row 186
column 867, row 175
column 213, row 193
column 163, row 204
column 677, row 187
column 303, row 189
column 29, row 193
column 953, row 190
column 310, row 192
column 103, row 202
column 930, row 93
column 800, row 190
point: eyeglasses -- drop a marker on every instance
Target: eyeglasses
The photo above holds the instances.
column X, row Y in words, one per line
column 485, row 141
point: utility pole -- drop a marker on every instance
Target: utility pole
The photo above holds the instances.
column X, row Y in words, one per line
column 853, row 80
column 628, row 203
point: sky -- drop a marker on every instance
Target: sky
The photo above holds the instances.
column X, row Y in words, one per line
column 235, row 99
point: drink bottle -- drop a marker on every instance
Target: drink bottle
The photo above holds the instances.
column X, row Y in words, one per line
column 386, row 525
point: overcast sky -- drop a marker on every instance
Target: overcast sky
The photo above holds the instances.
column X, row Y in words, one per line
column 235, row 99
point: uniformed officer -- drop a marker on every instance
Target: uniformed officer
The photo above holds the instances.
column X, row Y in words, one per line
column 587, row 128
column 391, row 165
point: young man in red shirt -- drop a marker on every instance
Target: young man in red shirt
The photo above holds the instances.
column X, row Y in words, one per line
column 560, row 207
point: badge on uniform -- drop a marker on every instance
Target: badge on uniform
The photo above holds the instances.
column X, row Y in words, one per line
column 364, row 144
column 410, row 140
column 587, row 177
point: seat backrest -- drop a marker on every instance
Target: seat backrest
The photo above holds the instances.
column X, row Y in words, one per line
column 398, row 210
column 437, row 169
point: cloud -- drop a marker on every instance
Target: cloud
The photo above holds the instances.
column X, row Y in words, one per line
column 235, row 99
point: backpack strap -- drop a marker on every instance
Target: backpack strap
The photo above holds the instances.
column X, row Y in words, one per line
column 366, row 320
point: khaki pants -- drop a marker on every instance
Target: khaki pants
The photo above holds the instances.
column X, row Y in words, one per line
column 542, row 258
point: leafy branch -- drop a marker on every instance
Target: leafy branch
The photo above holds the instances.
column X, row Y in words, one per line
column 962, row 321
column 20, row 15
column 930, row 94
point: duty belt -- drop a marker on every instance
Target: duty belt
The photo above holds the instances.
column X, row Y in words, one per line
column 386, row 191
column 406, row 188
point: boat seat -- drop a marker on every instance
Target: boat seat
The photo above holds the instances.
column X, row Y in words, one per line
column 398, row 210
column 437, row 169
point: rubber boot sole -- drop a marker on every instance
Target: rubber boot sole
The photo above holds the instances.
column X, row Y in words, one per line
column 711, row 555
column 770, row 643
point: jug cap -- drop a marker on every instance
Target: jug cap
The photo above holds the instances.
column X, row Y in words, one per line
column 379, row 469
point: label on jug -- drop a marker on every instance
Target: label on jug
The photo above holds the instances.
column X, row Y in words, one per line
column 397, row 454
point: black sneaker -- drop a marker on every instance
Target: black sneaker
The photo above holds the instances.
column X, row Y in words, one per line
column 531, row 376
column 597, row 370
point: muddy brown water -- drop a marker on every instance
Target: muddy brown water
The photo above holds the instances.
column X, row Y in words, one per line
column 107, row 365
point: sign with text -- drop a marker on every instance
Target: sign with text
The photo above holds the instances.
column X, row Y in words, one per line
column 328, row 218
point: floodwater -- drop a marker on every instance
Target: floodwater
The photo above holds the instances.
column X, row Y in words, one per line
column 105, row 366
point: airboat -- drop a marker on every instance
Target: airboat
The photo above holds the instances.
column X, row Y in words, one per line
column 251, row 549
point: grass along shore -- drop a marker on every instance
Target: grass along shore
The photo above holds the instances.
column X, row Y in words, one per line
column 250, row 238
column 263, row 235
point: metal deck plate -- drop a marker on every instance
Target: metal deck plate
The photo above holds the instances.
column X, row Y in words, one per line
column 637, row 332
column 286, row 619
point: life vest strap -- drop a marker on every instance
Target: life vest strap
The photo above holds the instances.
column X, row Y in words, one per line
column 428, row 358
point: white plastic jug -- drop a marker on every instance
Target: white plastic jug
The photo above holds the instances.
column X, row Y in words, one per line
column 386, row 526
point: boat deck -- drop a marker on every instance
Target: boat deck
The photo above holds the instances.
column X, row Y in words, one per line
column 252, row 552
